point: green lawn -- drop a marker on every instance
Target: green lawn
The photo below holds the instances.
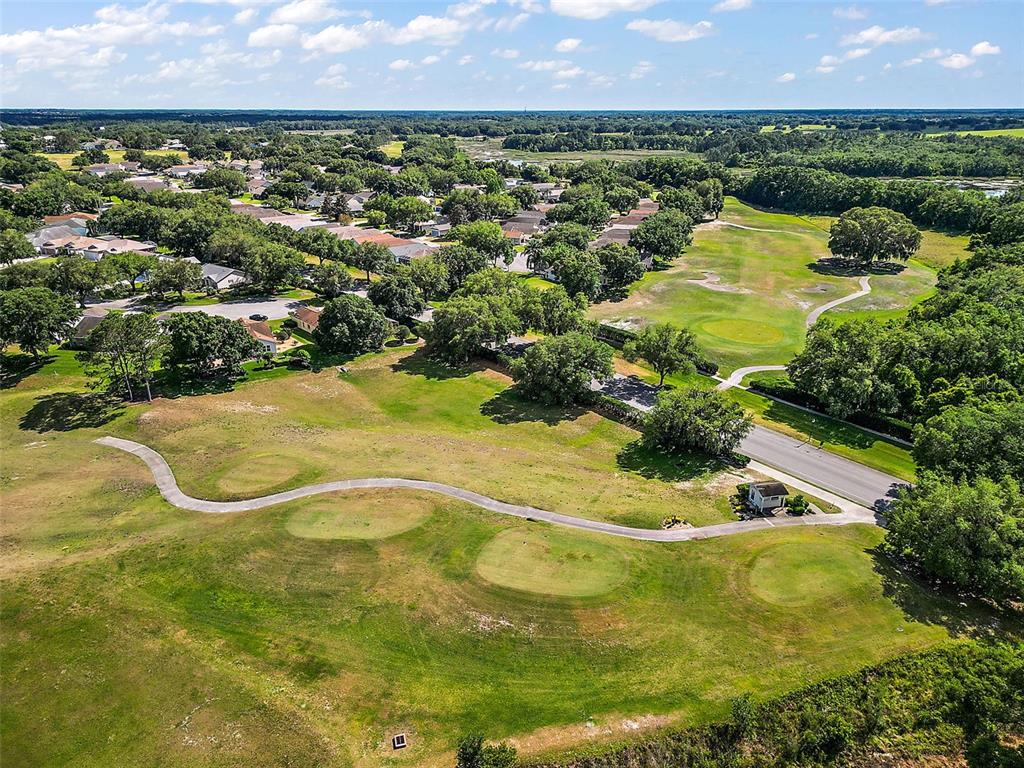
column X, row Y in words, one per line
column 63, row 159
column 393, row 149
column 307, row 634
column 758, row 283
column 1018, row 132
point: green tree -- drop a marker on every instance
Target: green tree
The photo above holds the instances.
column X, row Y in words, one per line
column 558, row 370
column 324, row 244
column 713, row 195
column 622, row 199
column 408, row 212
column 487, row 238
column 125, row 348
column 177, row 275
column 665, row 348
column 14, row 246
column 202, row 344
column 461, row 261
column 867, row 235
column 684, row 200
column 351, row 324
column 74, row 275
column 620, row 266
column 525, row 195
column 464, row 323
column 129, row 266
column 271, row 266
column 230, row 181
column 331, row 280
column 980, row 438
column 580, row 272
column 561, row 312
column 663, row 235
column 376, row 218
column 373, row 257
column 473, row 753
column 695, row 420
column 35, row 318
column 397, row 296
column 430, row 274
column 970, row 535
column 589, row 211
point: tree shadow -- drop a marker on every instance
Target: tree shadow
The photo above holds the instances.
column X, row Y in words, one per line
column 420, row 363
column 937, row 605
column 508, row 407
column 15, row 368
column 67, row 411
column 836, row 267
column 173, row 384
column 670, row 468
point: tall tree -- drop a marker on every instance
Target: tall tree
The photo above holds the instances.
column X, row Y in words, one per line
column 178, row 275
column 487, row 238
column 74, row 275
column 666, row 349
column 35, row 318
column 559, row 369
column 129, row 266
column 14, row 246
column 867, row 235
column 350, row 324
column 397, row 296
column 696, row 420
column 663, row 235
column 330, row 280
column 202, row 344
column 125, row 348
column 373, row 257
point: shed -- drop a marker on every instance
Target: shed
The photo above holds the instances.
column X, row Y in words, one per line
column 767, row 495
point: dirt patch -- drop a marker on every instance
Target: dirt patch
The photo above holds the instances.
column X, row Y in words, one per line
column 713, row 282
column 720, row 481
column 244, row 406
column 605, row 728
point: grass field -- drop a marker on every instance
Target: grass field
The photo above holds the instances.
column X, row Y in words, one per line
column 745, row 290
column 491, row 149
column 307, row 634
column 1018, row 132
column 393, row 149
column 63, row 159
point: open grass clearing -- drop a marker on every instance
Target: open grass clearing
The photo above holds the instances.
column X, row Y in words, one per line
column 550, row 561
column 1016, row 132
column 313, row 649
column 393, row 149
column 491, row 149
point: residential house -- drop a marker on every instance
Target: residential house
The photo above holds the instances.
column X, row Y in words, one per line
column 184, row 171
column 307, row 318
column 257, row 186
column 68, row 217
column 405, row 253
column 518, row 237
column 548, row 191
column 439, row 229
column 95, row 248
column 91, row 317
column 261, row 332
column 296, row 221
column 256, row 211
column 217, row 277
column 149, row 184
column 767, row 496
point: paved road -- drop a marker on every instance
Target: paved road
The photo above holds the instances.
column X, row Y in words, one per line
column 168, row 487
column 816, row 466
column 865, row 289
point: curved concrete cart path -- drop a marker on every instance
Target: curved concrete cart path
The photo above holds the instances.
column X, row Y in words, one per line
column 169, row 489
column 865, row 289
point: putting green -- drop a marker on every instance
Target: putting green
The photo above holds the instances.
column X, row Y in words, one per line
column 358, row 515
column 802, row 573
column 252, row 475
column 552, row 562
column 746, row 331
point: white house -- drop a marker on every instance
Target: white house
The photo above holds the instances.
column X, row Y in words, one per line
column 307, row 318
column 767, row 496
column 261, row 332
column 217, row 277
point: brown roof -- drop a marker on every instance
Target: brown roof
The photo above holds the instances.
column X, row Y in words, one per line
column 258, row 329
column 772, row 488
column 309, row 315
column 69, row 216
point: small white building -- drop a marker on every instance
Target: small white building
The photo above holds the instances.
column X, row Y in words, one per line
column 217, row 277
column 767, row 496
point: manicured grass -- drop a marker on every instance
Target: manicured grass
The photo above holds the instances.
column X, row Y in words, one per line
column 63, row 159
column 393, row 149
column 550, row 561
column 1018, row 132
column 138, row 634
column 540, row 283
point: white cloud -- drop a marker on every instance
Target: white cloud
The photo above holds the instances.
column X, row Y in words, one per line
column 731, row 5
column 956, row 61
column 437, row 30
column 273, row 35
column 400, row 64
column 511, row 23
column 338, row 38
column 568, row 44
column 828, row 63
column 530, row 6
column 786, row 77
column 569, row 73
column 304, row 12
column 428, row 60
column 602, row 81
column 934, row 53
column 811, row 36
column 937, row 2
column 856, row 53
column 860, row 78
column 597, row 9
column 505, row 53
column 670, row 31
column 985, row 48
column 877, row 35
column 640, row 70
column 911, row 62
column 333, row 77
column 245, row 16
column 560, row 87
column 853, row 13
column 549, row 65
column 467, row 59
column 887, row 66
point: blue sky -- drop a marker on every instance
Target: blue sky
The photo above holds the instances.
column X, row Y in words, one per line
column 512, row 54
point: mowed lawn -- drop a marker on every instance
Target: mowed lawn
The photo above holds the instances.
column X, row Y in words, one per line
column 63, row 159
column 749, row 280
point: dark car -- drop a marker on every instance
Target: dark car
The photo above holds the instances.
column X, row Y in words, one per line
column 258, row 317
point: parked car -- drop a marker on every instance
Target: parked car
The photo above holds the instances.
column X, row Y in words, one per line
column 257, row 317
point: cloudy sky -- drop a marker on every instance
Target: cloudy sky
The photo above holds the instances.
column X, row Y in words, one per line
column 511, row 54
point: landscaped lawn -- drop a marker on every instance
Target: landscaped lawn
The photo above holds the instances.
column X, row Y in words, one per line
column 757, row 283
column 393, row 149
column 307, row 634
column 63, row 159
